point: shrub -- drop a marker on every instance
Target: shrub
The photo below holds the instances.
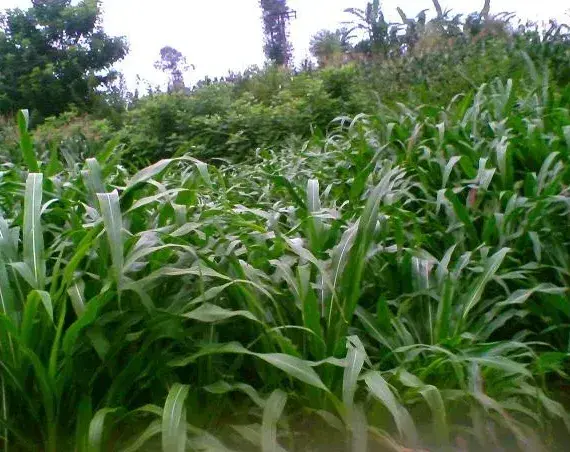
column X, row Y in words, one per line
column 215, row 123
column 232, row 118
column 9, row 140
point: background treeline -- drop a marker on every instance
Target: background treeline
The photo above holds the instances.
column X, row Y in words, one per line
column 50, row 54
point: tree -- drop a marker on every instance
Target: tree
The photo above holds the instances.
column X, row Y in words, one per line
column 477, row 22
column 415, row 29
column 55, row 55
column 173, row 63
column 327, row 45
column 372, row 21
column 443, row 24
column 276, row 16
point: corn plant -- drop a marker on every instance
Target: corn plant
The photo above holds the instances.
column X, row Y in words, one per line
column 399, row 283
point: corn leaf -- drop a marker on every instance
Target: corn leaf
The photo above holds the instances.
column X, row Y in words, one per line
column 174, row 419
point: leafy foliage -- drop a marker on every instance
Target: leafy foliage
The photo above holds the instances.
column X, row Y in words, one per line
column 277, row 47
column 399, row 282
column 55, row 55
column 328, row 46
column 383, row 262
column 232, row 118
column 174, row 64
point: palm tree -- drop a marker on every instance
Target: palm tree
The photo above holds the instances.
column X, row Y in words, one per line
column 372, row 21
column 486, row 8
column 415, row 28
column 327, row 45
column 446, row 26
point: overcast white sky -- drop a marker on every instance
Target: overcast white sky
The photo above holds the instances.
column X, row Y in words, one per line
column 219, row 35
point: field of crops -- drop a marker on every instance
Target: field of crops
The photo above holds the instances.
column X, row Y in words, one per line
column 400, row 283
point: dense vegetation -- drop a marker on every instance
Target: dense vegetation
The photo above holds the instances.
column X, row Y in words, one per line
column 55, row 55
column 361, row 257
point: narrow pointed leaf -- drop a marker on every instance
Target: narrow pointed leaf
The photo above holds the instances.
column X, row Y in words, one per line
column 26, row 144
column 354, row 361
column 379, row 388
column 209, row 313
column 32, row 231
column 476, row 291
column 97, row 432
column 111, row 213
column 148, row 173
column 271, row 414
column 138, row 443
column 174, row 419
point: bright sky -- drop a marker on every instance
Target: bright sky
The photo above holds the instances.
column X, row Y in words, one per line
column 219, row 35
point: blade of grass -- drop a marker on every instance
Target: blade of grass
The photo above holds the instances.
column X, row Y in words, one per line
column 354, row 361
column 271, row 414
column 32, row 233
column 379, row 388
column 26, row 144
column 174, row 419
column 476, row 291
column 112, row 218
column 97, row 431
column 293, row 366
column 138, row 443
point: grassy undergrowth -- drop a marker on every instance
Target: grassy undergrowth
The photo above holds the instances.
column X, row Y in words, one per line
column 401, row 283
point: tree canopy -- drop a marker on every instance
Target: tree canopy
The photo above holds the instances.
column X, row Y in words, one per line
column 55, row 55
column 173, row 63
column 327, row 44
column 277, row 47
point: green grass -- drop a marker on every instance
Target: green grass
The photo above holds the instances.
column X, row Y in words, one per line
column 401, row 282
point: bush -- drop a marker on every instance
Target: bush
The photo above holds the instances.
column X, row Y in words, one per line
column 76, row 136
column 9, row 139
column 220, row 121
column 232, row 118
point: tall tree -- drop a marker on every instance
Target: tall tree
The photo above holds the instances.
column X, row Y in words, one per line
column 55, row 55
column 444, row 24
column 372, row 21
column 327, row 45
column 415, row 29
column 173, row 63
column 275, row 22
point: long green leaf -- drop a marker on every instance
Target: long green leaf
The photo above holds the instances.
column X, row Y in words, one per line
column 379, row 388
column 476, row 291
column 26, row 144
column 462, row 214
column 354, row 361
column 7, row 299
column 359, row 429
column 93, row 178
column 293, row 366
column 8, row 245
column 209, row 313
column 271, row 414
column 28, row 329
column 97, row 432
column 139, row 441
column 223, row 387
column 174, row 419
column 314, row 207
column 113, row 220
column 84, row 416
column 33, row 234
column 148, row 173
